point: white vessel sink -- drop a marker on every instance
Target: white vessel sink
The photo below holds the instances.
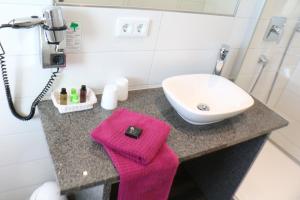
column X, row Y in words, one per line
column 204, row 98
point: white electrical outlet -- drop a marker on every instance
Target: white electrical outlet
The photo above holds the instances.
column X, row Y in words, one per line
column 132, row 27
column 124, row 28
column 141, row 28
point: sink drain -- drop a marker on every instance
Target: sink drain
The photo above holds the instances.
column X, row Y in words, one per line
column 203, row 107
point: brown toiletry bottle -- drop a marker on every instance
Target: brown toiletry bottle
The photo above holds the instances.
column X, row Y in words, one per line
column 83, row 94
column 63, row 97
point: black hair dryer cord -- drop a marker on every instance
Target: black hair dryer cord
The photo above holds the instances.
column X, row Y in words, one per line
column 8, row 93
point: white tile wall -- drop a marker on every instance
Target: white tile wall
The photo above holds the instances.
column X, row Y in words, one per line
column 98, row 27
column 28, row 173
column 193, row 31
column 95, row 70
column 241, row 32
column 170, row 63
column 178, row 43
column 25, row 69
column 11, row 125
column 21, row 193
column 23, row 147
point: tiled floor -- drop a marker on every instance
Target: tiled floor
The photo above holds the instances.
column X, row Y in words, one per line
column 274, row 176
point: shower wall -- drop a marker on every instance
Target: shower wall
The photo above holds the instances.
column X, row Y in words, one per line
column 273, row 51
column 288, row 139
column 286, row 93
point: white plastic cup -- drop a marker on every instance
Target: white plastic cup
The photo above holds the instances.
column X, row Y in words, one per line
column 122, row 84
column 109, row 99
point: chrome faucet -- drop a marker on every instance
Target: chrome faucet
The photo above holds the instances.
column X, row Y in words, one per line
column 221, row 59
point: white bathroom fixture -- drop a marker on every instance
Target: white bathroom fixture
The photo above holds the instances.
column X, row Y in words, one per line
column 109, row 99
column 122, row 85
column 205, row 98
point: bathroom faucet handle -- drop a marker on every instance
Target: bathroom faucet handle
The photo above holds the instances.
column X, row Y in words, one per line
column 224, row 51
column 275, row 29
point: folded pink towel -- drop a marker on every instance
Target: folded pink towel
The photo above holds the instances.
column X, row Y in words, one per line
column 146, row 165
column 111, row 133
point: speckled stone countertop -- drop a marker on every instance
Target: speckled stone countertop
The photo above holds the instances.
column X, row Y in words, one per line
column 73, row 151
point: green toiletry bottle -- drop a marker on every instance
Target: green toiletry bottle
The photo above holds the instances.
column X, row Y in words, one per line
column 74, row 96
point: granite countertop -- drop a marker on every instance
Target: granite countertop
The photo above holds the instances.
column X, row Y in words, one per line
column 73, row 152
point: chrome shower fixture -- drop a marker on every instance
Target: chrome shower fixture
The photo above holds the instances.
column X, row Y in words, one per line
column 263, row 60
column 275, row 29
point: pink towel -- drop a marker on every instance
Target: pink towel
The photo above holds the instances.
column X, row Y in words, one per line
column 110, row 133
column 146, row 165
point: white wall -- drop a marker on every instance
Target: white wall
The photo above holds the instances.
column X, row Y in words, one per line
column 178, row 43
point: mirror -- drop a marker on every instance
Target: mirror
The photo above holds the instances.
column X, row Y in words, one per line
column 216, row 7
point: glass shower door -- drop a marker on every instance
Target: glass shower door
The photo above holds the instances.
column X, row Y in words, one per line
column 288, row 102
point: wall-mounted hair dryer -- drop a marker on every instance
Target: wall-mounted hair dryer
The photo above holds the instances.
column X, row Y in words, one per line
column 52, row 32
column 54, row 25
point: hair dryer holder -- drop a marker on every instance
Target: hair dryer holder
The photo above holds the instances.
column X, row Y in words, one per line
column 53, row 55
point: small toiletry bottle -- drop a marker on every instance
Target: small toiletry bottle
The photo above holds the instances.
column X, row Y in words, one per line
column 63, row 98
column 83, row 94
column 74, row 96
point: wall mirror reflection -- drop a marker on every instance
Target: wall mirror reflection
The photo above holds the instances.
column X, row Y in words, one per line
column 216, row 7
